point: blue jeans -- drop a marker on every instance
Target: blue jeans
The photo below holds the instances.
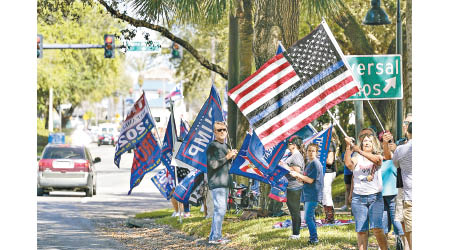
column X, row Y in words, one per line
column 310, row 219
column 219, row 196
column 389, row 215
column 186, row 207
column 367, row 209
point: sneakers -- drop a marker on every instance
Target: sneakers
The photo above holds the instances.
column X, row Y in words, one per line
column 175, row 214
column 313, row 242
column 187, row 215
column 294, row 237
column 343, row 208
column 219, row 241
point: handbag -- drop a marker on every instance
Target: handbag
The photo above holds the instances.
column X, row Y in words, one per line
column 399, row 178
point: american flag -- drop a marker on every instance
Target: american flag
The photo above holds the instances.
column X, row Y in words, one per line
column 295, row 87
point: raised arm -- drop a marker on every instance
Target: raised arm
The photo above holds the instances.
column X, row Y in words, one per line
column 348, row 154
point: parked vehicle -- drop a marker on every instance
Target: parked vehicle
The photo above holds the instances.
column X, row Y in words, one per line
column 65, row 167
column 108, row 134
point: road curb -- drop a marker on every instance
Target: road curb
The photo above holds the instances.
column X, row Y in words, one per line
column 134, row 222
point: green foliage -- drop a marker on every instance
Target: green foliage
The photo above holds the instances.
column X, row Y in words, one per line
column 76, row 75
column 155, row 214
column 196, row 78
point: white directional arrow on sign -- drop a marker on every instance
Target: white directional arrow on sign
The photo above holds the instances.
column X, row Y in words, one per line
column 390, row 83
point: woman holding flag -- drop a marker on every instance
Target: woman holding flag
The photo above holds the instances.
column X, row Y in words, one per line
column 294, row 163
column 367, row 199
column 312, row 189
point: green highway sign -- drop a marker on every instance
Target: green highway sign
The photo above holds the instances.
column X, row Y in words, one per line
column 148, row 46
column 380, row 76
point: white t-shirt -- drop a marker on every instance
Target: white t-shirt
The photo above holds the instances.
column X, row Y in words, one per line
column 361, row 185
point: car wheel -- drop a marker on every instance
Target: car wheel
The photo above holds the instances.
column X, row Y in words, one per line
column 90, row 189
column 40, row 192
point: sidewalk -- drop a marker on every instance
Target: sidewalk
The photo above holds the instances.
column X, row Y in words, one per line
column 146, row 234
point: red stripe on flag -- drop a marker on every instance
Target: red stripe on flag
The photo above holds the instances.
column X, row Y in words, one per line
column 261, row 81
column 267, row 90
column 308, row 105
column 312, row 117
column 265, row 65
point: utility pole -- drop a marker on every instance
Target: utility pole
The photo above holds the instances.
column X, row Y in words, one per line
column 50, row 109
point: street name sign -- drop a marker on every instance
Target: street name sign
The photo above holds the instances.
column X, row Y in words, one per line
column 148, row 46
column 380, row 76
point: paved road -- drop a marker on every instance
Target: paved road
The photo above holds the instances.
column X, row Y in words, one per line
column 66, row 220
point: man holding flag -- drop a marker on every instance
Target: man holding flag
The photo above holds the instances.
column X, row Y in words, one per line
column 219, row 155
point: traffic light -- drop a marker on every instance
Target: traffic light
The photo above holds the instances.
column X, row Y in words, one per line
column 40, row 47
column 109, row 46
column 176, row 50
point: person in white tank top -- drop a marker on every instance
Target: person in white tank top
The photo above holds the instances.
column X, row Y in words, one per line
column 367, row 200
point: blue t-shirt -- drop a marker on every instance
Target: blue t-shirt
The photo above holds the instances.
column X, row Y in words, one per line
column 313, row 191
column 389, row 177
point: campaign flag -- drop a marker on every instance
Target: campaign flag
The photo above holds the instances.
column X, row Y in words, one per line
column 278, row 190
column 187, row 185
column 295, row 87
column 244, row 167
column 225, row 103
column 134, row 129
column 193, row 149
column 175, row 94
column 280, row 48
column 323, row 139
column 164, row 182
column 184, row 129
column 167, row 148
column 265, row 160
column 147, row 156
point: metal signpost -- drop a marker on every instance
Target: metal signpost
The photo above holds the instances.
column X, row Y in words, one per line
column 380, row 76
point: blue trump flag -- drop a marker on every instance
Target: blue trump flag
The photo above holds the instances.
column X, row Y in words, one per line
column 265, row 160
column 147, row 156
column 323, row 139
column 164, row 182
column 193, row 149
column 184, row 129
column 138, row 123
column 187, row 185
column 167, row 148
column 244, row 167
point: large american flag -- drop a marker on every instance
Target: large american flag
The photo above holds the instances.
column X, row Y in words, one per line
column 295, row 87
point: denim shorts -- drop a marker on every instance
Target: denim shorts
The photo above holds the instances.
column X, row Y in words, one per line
column 367, row 209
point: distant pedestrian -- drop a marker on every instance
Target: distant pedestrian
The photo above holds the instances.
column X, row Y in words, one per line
column 219, row 156
column 367, row 199
column 294, row 163
column 402, row 159
column 329, row 176
column 312, row 189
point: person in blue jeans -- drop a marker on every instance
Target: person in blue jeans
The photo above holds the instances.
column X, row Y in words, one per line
column 312, row 189
column 367, row 199
column 219, row 156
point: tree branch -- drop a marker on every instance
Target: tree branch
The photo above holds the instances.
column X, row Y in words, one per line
column 166, row 33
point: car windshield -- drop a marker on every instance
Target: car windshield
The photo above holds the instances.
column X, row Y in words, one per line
column 64, row 153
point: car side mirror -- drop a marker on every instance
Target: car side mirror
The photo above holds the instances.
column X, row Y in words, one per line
column 97, row 159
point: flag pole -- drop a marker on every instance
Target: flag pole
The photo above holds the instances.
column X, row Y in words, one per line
column 174, row 138
column 337, row 123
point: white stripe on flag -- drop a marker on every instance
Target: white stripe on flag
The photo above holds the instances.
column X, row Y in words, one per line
column 285, row 127
column 260, row 75
column 275, row 78
column 271, row 94
column 303, row 101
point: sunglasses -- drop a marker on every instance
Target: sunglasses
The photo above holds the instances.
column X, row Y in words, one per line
column 221, row 130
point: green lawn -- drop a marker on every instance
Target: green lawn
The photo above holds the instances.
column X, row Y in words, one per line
column 259, row 234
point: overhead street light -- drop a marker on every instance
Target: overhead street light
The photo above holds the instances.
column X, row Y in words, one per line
column 377, row 16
